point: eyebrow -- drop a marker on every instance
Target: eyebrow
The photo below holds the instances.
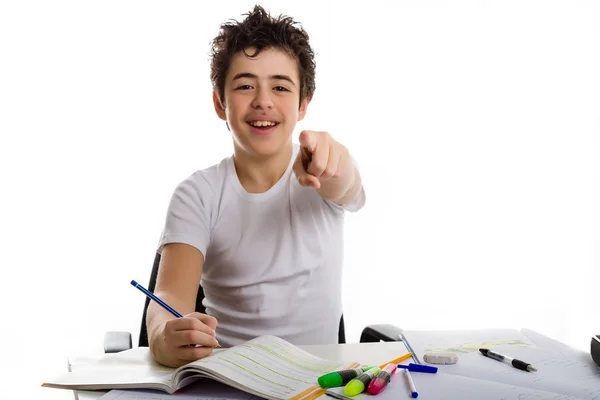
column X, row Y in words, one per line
column 278, row 77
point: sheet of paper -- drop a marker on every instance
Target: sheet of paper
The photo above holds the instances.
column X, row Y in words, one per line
column 560, row 369
column 548, row 343
column 446, row 386
column 463, row 342
column 131, row 367
column 202, row 390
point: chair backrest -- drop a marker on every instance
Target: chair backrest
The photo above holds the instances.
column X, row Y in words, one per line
column 143, row 341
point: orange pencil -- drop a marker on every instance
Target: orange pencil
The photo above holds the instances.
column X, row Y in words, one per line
column 397, row 360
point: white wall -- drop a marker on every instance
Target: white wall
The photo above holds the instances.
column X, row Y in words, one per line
column 476, row 125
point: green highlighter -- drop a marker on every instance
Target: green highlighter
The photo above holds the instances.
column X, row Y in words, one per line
column 340, row 378
column 360, row 383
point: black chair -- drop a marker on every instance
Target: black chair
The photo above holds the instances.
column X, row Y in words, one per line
column 119, row 341
column 595, row 349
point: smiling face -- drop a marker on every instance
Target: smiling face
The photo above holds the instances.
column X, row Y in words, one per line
column 261, row 104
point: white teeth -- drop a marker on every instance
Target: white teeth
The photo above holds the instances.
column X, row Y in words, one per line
column 262, row 123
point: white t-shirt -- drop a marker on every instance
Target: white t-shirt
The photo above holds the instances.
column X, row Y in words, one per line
column 272, row 260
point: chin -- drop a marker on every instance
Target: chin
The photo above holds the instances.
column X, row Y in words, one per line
column 264, row 146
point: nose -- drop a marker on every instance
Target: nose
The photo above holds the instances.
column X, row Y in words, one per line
column 262, row 99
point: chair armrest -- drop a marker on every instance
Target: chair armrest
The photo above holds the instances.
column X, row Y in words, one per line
column 379, row 332
column 115, row 342
column 595, row 349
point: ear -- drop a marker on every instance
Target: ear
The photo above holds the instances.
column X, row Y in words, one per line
column 302, row 109
column 219, row 107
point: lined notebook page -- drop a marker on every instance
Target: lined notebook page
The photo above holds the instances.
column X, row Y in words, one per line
column 271, row 366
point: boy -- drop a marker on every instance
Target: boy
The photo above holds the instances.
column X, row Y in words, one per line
column 262, row 229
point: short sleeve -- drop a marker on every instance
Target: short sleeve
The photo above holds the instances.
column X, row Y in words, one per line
column 356, row 204
column 188, row 215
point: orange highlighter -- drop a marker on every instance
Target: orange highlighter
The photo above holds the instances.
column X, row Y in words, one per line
column 397, row 360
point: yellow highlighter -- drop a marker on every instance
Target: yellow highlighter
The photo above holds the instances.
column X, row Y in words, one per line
column 396, row 360
column 360, row 383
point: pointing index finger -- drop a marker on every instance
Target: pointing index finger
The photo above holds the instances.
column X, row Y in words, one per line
column 308, row 140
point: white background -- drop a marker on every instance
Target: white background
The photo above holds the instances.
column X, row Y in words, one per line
column 476, row 125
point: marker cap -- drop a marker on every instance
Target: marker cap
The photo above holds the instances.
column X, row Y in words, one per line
column 376, row 386
column 354, row 387
column 330, row 380
column 358, row 384
column 419, row 368
column 340, row 378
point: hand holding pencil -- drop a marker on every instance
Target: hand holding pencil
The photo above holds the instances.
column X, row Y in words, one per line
column 183, row 339
column 190, row 337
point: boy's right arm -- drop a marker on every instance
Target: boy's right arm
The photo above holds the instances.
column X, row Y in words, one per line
column 177, row 284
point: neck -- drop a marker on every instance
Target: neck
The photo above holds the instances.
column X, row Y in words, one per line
column 257, row 174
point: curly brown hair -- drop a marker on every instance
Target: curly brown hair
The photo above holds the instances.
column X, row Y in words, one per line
column 262, row 31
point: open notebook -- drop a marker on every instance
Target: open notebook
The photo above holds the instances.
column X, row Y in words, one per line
column 267, row 367
column 562, row 372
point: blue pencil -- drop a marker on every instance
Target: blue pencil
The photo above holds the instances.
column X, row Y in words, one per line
column 156, row 299
column 162, row 303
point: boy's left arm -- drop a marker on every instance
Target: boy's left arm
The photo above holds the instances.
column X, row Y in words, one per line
column 326, row 165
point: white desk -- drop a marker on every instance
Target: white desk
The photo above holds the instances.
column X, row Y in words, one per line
column 366, row 353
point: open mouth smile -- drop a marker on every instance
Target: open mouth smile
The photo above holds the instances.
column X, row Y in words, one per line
column 263, row 124
column 262, row 127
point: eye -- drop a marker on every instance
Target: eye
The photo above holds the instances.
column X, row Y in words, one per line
column 281, row 89
column 243, row 87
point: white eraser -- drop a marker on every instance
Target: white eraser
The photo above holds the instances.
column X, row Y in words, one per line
column 440, row 358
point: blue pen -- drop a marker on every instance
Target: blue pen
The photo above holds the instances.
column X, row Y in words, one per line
column 156, row 299
column 419, row 368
